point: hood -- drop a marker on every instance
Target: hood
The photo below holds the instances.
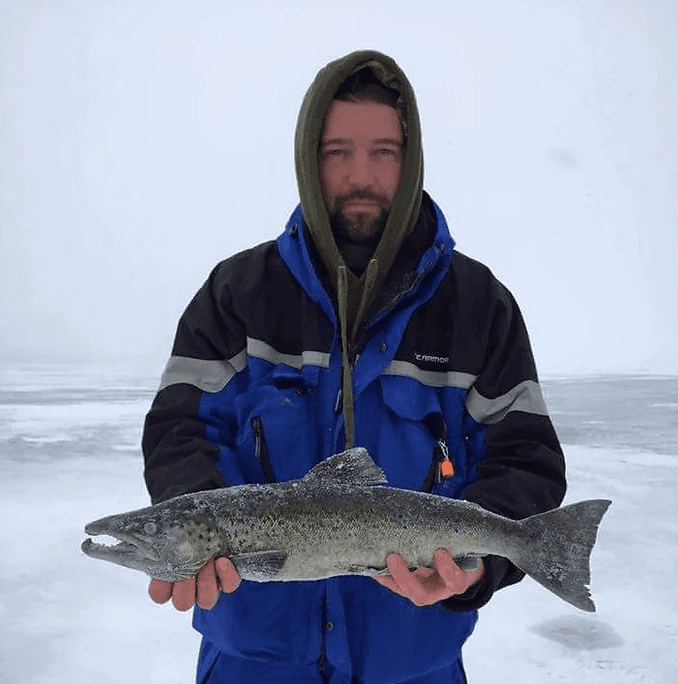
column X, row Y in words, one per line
column 354, row 294
column 358, row 291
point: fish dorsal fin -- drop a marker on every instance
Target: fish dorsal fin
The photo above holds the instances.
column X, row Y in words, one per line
column 351, row 467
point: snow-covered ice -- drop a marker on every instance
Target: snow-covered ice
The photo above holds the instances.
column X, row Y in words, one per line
column 69, row 453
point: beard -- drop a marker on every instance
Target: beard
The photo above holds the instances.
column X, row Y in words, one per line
column 362, row 228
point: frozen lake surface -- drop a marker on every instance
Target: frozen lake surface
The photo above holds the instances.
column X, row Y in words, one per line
column 69, row 453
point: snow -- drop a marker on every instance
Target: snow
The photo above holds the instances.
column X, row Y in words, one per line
column 69, row 454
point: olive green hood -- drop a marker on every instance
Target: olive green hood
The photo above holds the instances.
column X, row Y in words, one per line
column 406, row 204
column 353, row 293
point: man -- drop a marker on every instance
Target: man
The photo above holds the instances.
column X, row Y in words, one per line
column 361, row 325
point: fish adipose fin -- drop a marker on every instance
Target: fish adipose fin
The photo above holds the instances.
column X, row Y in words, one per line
column 353, row 467
column 259, row 566
column 468, row 563
column 558, row 549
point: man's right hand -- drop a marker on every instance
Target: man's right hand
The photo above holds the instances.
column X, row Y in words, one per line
column 217, row 575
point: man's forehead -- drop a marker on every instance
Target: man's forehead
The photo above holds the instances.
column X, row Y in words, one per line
column 345, row 121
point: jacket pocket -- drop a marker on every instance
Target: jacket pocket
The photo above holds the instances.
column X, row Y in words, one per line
column 427, row 435
column 278, row 427
column 406, row 442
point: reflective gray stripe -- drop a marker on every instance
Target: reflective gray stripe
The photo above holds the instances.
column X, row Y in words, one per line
column 525, row 396
column 261, row 350
column 213, row 376
column 209, row 376
column 430, row 378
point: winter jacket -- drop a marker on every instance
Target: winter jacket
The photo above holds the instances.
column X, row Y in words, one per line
column 251, row 394
column 438, row 363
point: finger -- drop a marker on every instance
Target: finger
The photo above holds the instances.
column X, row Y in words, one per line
column 455, row 579
column 160, row 591
column 183, row 593
column 398, row 569
column 450, row 573
column 425, row 585
column 474, row 576
column 229, row 579
column 409, row 584
column 207, row 591
column 388, row 580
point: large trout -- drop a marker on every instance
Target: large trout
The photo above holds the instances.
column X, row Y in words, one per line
column 340, row 520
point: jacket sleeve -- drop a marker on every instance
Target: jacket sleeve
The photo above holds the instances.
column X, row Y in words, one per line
column 207, row 357
column 522, row 471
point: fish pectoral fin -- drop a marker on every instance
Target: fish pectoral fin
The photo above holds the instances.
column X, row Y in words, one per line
column 468, row 563
column 259, row 566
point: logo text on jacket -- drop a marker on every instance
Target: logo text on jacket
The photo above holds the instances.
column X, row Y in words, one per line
column 428, row 358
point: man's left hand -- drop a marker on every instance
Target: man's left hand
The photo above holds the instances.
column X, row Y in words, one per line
column 425, row 586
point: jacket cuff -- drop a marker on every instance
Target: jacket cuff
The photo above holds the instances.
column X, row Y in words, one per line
column 499, row 573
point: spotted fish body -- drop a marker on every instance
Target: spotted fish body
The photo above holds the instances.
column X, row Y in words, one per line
column 340, row 520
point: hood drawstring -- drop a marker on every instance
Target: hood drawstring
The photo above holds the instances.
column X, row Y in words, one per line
column 369, row 287
column 347, row 375
column 371, row 279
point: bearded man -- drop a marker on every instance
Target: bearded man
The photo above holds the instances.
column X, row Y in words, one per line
column 360, row 325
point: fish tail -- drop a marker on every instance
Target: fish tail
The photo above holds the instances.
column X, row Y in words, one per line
column 557, row 547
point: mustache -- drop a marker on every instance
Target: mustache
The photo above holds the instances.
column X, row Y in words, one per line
column 341, row 200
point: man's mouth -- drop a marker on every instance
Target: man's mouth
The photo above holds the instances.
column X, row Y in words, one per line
column 357, row 205
column 367, row 200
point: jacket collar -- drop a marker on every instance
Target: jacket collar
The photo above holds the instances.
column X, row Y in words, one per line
column 423, row 257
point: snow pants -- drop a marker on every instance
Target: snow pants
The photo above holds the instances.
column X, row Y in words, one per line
column 216, row 667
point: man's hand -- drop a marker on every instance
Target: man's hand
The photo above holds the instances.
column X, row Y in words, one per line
column 425, row 586
column 203, row 588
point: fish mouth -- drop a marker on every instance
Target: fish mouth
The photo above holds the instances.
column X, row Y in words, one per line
column 132, row 550
column 128, row 546
column 104, row 551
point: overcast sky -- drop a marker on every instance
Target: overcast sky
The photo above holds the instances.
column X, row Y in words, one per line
column 142, row 141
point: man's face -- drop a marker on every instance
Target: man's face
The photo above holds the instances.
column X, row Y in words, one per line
column 360, row 163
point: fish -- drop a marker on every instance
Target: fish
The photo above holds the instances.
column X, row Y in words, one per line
column 342, row 518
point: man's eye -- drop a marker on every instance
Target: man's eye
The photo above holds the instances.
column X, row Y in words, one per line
column 386, row 151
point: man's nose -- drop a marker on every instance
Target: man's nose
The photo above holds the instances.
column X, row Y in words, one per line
column 360, row 174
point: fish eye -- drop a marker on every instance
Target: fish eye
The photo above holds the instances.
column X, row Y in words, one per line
column 150, row 527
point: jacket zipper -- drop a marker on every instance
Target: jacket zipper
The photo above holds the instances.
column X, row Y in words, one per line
column 260, row 450
column 390, row 306
column 442, row 467
column 340, row 393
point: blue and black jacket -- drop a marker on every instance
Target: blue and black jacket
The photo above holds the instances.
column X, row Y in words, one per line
column 252, row 394
column 255, row 392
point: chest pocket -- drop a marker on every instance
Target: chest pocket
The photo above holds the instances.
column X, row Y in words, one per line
column 427, row 438
column 277, row 424
column 406, row 442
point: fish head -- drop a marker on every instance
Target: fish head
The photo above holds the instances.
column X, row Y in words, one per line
column 164, row 542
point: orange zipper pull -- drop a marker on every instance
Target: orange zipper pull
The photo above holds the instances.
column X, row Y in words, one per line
column 446, row 467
